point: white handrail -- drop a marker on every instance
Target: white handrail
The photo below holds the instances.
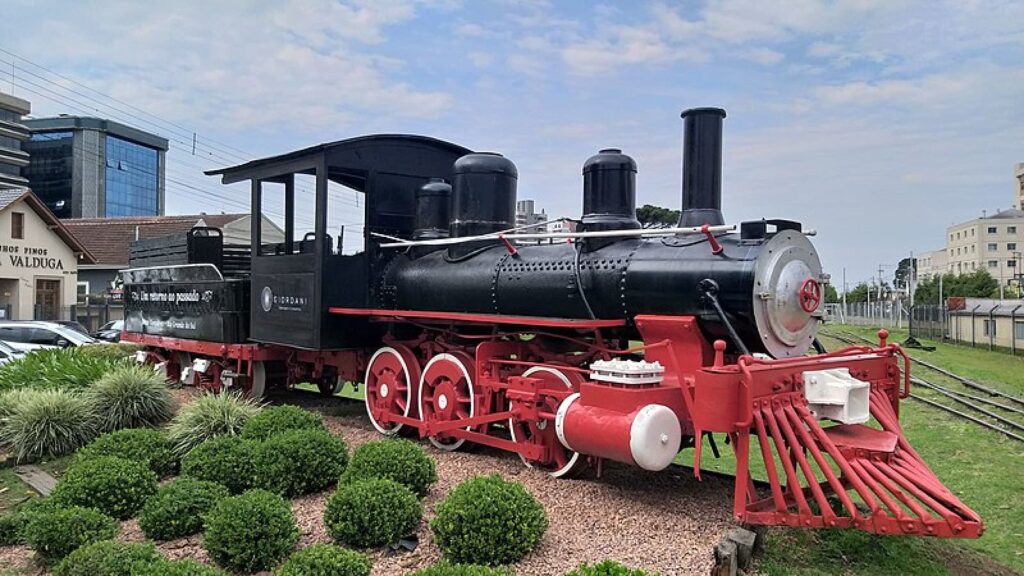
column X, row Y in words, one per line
column 639, row 232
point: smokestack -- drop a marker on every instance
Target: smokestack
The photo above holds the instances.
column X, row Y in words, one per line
column 702, row 167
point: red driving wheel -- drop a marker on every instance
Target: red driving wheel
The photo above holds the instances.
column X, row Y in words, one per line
column 810, row 295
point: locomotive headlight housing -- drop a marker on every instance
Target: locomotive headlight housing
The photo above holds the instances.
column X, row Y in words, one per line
column 788, row 294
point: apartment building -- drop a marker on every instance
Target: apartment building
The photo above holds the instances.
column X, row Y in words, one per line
column 993, row 243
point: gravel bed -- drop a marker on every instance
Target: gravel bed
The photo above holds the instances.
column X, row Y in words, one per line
column 667, row 522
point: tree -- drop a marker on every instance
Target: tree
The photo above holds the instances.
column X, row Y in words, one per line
column 859, row 293
column 906, row 270
column 977, row 284
column 656, row 216
column 831, row 295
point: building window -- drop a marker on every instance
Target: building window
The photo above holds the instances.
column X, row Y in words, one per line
column 17, row 226
column 1011, row 245
column 1011, row 229
column 957, row 235
column 83, row 291
column 992, row 247
column 972, row 231
column 993, row 263
column 990, row 327
column 1018, row 329
column 1011, row 263
column 132, row 183
column 972, row 248
column 991, row 229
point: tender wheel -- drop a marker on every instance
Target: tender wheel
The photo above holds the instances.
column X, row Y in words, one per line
column 392, row 377
column 258, row 383
column 562, row 462
column 446, row 393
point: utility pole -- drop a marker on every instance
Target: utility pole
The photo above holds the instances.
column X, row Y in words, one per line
column 910, row 283
column 846, row 312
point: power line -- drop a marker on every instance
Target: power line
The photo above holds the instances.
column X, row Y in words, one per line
column 191, row 137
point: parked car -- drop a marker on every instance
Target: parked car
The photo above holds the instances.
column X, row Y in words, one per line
column 76, row 326
column 30, row 335
column 8, row 353
column 110, row 332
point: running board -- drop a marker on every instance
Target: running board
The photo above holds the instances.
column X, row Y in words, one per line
column 848, row 476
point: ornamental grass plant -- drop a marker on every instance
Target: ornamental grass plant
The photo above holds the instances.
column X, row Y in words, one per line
column 209, row 416
column 58, row 368
column 46, row 424
column 130, row 396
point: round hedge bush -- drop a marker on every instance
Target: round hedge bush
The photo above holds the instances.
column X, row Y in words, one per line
column 115, row 486
column 56, row 532
column 183, row 567
column 250, row 532
column 488, row 520
column 607, row 568
column 107, row 558
column 11, row 529
column 373, row 512
column 325, row 560
column 177, row 509
column 46, row 423
column 396, row 459
column 146, row 445
column 446, row 569
column 130, row 397
column 228, row 460
column 299, row 462
column 273, row 421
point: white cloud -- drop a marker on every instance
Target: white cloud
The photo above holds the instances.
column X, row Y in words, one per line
column 470, row 30
column 765, row 56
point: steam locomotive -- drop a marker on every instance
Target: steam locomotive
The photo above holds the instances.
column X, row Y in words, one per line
column 608, row 342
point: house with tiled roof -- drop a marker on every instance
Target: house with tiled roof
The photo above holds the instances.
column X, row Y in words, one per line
column 108, row 240
column 39, row 260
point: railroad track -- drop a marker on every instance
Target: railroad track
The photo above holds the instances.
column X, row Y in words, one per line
column 1000, row 412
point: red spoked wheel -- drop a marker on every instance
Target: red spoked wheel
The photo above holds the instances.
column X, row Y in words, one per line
column 446, row 394
column 392, row 378
column 810, row 295
column 560, row 462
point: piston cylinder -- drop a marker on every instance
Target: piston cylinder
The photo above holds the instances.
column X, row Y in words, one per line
column 648, row 437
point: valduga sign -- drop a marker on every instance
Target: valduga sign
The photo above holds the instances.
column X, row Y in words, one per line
column 29, row 257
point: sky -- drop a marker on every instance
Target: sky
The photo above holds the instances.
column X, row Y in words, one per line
column 876, row 123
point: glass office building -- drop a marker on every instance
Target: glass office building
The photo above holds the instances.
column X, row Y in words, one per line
column 86, row 167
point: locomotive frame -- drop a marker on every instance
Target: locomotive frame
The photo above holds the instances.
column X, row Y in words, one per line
column 566, row 389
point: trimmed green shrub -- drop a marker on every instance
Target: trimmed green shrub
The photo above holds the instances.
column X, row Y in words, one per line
column 183, row 567
column 56, row 532
column 373, row 512
column 107, row 558
column 607, row 568
column 146, row 445
column 396, row 459
column 250, row 532
column 130, row 396
column 177, row 509
column 210, row 416
column 11, row 529
column 272, row 421
column 446, row 569
column 297, row 462
column 113, row 351
column 46, row 424
column 488, row 520
column 230, row 461
column 115, row 486
column 56, row 368
column 325, row 560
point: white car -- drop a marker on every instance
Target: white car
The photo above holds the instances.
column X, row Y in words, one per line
column 8, row 353
column 31, row 335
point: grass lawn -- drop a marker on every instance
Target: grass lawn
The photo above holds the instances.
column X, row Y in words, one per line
column 982, row 467
column 13, row 491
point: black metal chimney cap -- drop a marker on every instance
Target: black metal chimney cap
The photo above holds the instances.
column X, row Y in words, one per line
column 705, row 110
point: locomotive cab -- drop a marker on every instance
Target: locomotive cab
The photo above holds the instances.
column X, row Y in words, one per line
column 295, row 282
